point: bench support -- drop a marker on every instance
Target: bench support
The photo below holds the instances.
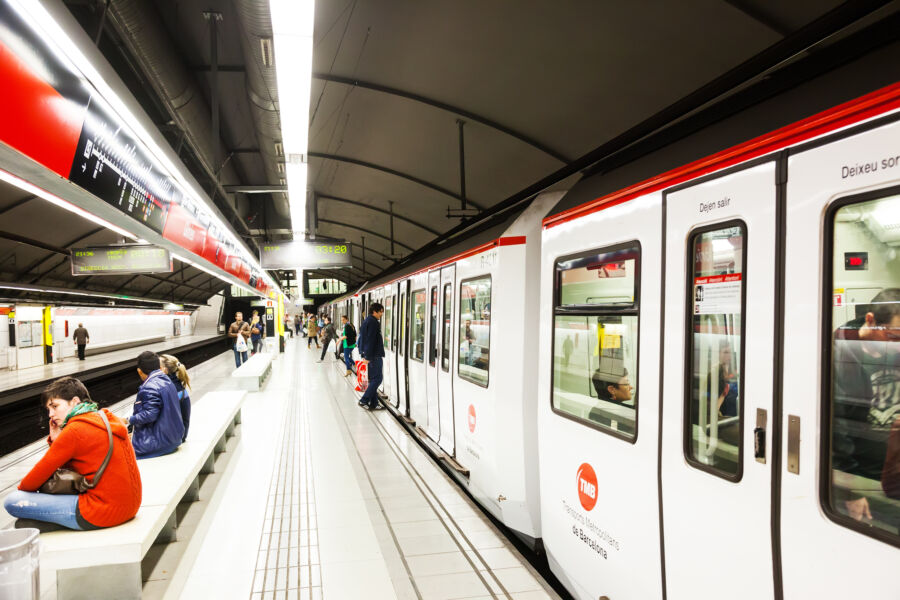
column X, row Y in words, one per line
column 103, row 581
column 220, row 445
column 193, row 492
column 169, row 531
column 237, row 417
column 210, row 465
column 229, row 431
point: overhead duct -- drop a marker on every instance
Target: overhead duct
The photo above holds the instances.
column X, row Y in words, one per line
column 262, row 89
column 138, row 24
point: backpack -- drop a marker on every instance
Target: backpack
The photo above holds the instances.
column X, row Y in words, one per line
column 351, row 335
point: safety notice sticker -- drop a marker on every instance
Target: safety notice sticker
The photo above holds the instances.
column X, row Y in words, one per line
column 717, row 294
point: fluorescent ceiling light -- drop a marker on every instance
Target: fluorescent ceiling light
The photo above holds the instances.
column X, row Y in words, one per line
column 292, row 27
column 65, row 204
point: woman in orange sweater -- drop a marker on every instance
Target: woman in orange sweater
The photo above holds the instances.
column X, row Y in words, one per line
column 78, row 440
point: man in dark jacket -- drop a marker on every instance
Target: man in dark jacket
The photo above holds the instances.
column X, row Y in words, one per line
column 157, row 422
column 81, row 337
column 328, row 334
column 371, row 349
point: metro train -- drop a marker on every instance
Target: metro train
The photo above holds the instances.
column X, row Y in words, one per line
column 688, row 387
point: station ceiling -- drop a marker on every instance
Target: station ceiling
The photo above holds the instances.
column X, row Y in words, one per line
column 533, row 86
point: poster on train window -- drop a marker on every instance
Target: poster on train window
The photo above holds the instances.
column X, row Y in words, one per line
column 717, row 294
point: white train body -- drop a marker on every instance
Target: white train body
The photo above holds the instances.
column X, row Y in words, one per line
column 661, row 411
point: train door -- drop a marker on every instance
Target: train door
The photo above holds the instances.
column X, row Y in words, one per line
column 418, row 350
column 387, row 329
column 432, row 365
column 402, row 345
column 447, row 439
column 718, row 385
column 840, row 500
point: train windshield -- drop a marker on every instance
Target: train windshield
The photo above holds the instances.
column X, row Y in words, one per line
column 595, row 339
column 863, row 404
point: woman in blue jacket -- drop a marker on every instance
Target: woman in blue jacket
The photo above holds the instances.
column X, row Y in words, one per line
column 158, row 425
column 177, row 372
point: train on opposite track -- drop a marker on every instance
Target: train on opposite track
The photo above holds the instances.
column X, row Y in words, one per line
column 687, row 387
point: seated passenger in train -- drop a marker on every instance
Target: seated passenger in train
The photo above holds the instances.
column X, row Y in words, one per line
column 866, row 392
column 178, row 374
column 612, row 385
column 79, row 441
column 157, row 421
column 727, row 401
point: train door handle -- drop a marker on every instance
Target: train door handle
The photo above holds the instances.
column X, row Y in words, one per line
column 759, row 436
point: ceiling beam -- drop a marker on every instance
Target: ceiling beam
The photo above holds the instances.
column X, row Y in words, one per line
column 17, row 204
column 366, row 231
column 381, row 210
column 254, row 189
column 396, row 173
column 368, row 85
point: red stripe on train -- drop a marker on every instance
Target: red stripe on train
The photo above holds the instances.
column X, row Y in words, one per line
column 36, row 120
column 849, row 113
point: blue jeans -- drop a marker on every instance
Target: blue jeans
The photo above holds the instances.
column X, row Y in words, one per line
column 240, row 357
column 348, row 358
column 370, row 396
column 61, row 509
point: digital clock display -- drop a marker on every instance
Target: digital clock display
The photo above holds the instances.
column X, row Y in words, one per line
column 305, row 255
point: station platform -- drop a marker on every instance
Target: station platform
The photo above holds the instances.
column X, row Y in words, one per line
column 10, row 380
column 317, row 498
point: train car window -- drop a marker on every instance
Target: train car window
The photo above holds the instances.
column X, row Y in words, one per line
column 401, row 347
column 475, row 330
column 432, row 334
column 595, row 338
column 862, row 392
column 388, row 324
column 445, row 338
column 417, row 326
column 714, row 369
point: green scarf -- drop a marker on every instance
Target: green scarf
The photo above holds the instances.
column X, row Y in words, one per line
column 80, row 409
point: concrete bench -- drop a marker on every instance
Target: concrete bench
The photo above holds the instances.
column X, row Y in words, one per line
column 92, row 349
column 252, row 374
column 106, row 563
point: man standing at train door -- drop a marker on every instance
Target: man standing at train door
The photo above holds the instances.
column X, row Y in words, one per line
column 82, row 338
column 371, row 349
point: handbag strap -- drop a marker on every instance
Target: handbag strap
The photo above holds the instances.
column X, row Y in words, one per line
column 109, row 435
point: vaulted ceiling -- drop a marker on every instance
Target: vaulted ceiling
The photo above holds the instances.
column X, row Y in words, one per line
column 409, row 97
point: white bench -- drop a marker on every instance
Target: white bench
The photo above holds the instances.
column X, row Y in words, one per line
column 252, row 374
column 106, row 563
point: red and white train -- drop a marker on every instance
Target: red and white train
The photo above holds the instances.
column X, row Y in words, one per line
column 685, row 388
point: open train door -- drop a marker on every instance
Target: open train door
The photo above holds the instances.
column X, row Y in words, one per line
column 719, row 333
column 432, row 366
column 445, row 361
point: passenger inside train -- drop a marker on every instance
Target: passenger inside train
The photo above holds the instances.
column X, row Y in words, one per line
column 865, row 373
column 475, row 334
column 595, row 339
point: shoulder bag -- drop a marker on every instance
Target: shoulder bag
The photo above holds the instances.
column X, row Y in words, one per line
column 69, row 481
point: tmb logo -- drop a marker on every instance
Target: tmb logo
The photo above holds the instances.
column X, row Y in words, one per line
column 471, row 418
column 586, row 480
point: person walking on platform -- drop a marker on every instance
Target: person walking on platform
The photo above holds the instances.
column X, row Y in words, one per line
column 239, row 332
column 297, row 324
column 82, row 339
column 80, row 441
column 177, row 372
column 328, row 334
column 348, row 341
column 157, row 421
column 371, row 349
column 312, row 332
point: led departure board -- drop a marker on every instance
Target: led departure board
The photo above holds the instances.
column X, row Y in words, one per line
column 120, row 259
column 305, row 254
